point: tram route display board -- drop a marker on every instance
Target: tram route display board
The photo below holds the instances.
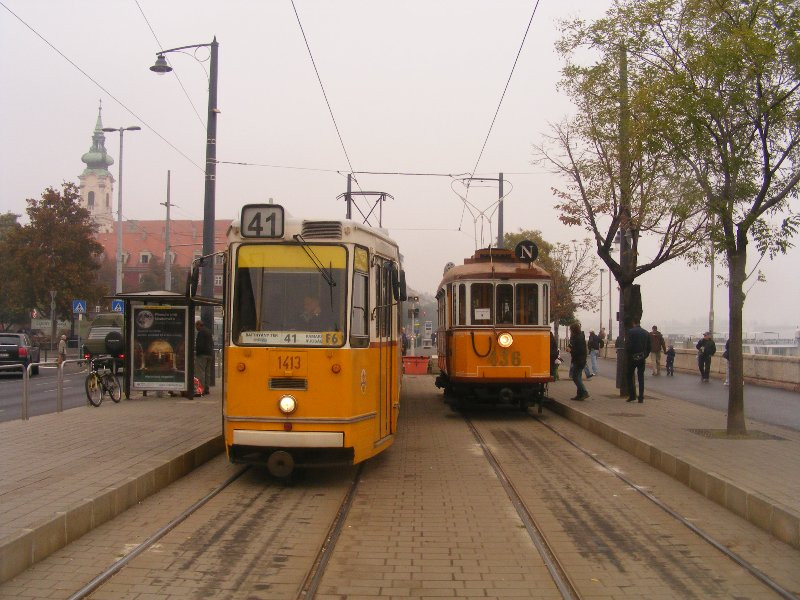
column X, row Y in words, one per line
column 159, row 348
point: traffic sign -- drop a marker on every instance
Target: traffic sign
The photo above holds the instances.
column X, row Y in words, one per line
column 118, row 306
column 79, row 307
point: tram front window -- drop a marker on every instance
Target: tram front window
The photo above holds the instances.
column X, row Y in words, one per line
column 289, row 295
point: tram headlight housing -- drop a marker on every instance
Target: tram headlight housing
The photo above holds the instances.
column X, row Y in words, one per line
column 287, row 404
column 505, row 339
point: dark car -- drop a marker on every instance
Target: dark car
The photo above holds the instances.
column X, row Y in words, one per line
column 18, row 349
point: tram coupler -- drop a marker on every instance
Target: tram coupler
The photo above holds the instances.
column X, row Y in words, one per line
column 280, row 464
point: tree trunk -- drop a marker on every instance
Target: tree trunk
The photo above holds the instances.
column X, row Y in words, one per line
column 736, row 271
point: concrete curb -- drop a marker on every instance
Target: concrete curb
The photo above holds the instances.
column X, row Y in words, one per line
column 20, row 551
column 769, row 515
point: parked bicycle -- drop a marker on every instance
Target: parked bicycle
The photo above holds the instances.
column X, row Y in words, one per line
column 101, row 380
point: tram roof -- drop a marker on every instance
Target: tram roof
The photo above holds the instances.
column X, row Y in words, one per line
column 315, row 230
column 494, row 263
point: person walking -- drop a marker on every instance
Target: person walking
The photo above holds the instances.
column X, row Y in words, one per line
column 602, row 335
column 594, row 348
column 203, row 355
column 657, row 345
column 637, row 349
column 578, row 351
column 62, row 349
column 706, row 348
column 726, row 356
column 671, row 360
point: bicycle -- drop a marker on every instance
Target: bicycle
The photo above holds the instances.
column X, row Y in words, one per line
column 100, row 380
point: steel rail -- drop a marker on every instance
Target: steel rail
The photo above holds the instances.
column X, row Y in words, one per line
column 120, row 564
column 749, row 567
column 314, row 577
column 557, row 572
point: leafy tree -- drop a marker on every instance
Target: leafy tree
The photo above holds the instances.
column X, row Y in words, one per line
column 726, row 81
column 55, row 251
column 619, row 177
column 11, row 308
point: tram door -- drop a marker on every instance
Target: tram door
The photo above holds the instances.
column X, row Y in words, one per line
column 385, row 336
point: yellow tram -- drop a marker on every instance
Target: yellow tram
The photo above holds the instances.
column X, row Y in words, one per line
column 312, row 368
column 493, row 340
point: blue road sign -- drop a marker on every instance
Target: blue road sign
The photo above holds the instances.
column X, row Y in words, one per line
column 79, row 307
column 118, row 306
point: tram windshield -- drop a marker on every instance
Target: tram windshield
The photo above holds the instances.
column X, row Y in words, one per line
column 288, row 295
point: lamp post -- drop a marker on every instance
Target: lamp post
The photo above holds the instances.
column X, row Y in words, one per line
column 602, row 272
column 121, row 131
column 161, row 67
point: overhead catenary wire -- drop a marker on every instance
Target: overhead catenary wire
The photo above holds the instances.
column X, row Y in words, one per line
column 100, row 86
column 174, row 72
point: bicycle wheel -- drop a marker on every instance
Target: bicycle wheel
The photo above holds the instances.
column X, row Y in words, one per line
column 94, row 389
column 111, row 385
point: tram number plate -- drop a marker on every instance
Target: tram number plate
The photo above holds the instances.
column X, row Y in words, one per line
column 289, row 361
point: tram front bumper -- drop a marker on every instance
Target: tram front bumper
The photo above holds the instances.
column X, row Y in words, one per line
column 288, row 439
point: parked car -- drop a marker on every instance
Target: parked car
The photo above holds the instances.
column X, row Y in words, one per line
column 18, row 349
column 106, row 336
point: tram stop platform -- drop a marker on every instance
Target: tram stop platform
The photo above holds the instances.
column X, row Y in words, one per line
column 62, row 474
column 756, row 477
column 65, row 473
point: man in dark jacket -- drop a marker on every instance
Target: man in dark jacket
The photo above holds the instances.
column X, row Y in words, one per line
column 637, row 349
column 706, row 348
column 203, row 355
column 577, row 350
column 594, row 348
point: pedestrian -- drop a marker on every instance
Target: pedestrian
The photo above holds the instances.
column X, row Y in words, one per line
column 602, row 335
column 594, row 348
column 670, row 360
column 203, row 355
column 637, row 349
column 705, row 350
column 656, row 347
column 726, row 356
column 62, row 349
column 578, row 351
column 404, row 341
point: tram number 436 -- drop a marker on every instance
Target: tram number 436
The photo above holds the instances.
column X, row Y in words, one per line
column 501, row 357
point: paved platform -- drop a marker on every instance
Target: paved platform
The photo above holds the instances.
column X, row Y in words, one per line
column 63, row 474
column 757, row 478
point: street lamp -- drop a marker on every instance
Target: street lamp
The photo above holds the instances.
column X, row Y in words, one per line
column 602, row 272
column 121, row 131
column 161, row 67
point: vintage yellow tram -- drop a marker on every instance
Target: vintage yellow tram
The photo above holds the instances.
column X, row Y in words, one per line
column 493, row 340
column 312, row 368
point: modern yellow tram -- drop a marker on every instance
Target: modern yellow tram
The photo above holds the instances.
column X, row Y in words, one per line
column 493, row 340
column 312, row 367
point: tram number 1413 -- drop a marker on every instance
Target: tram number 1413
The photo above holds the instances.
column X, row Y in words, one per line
column 501, row 357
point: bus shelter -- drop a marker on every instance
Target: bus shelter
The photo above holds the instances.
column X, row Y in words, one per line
column 159, row 342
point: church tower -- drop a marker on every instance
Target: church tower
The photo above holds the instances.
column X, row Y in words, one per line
column 96, row 182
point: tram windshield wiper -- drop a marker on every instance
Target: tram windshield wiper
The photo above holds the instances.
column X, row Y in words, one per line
column 326, row 275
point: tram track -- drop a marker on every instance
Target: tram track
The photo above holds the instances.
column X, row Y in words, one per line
column 306, row 588
column 539, row 538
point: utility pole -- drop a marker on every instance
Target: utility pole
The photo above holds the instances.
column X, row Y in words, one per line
column 711, row 301
column 349, row 198
column 167, row 257
column 500, row 213
column 625, row 215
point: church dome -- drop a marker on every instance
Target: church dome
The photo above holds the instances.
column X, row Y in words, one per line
column 97, row 159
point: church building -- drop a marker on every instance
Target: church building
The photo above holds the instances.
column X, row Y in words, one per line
column 142, row 241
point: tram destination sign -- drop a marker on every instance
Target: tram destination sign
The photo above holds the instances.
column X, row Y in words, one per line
column 262, row 221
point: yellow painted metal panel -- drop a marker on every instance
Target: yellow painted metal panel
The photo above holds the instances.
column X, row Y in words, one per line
column 286, row 256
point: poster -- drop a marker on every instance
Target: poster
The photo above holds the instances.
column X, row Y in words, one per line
column 158, row 351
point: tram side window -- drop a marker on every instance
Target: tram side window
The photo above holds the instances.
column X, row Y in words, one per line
column 482, row 298
column 527, row 304
column 505, row 303
column 546, row 304
column 359, row 327
column 462, row 304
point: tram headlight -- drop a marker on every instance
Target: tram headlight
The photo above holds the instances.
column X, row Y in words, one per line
column 287, row 404
column 505, row 339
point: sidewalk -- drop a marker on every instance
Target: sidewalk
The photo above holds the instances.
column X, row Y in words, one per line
column 756, row 478
column 63, row 474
